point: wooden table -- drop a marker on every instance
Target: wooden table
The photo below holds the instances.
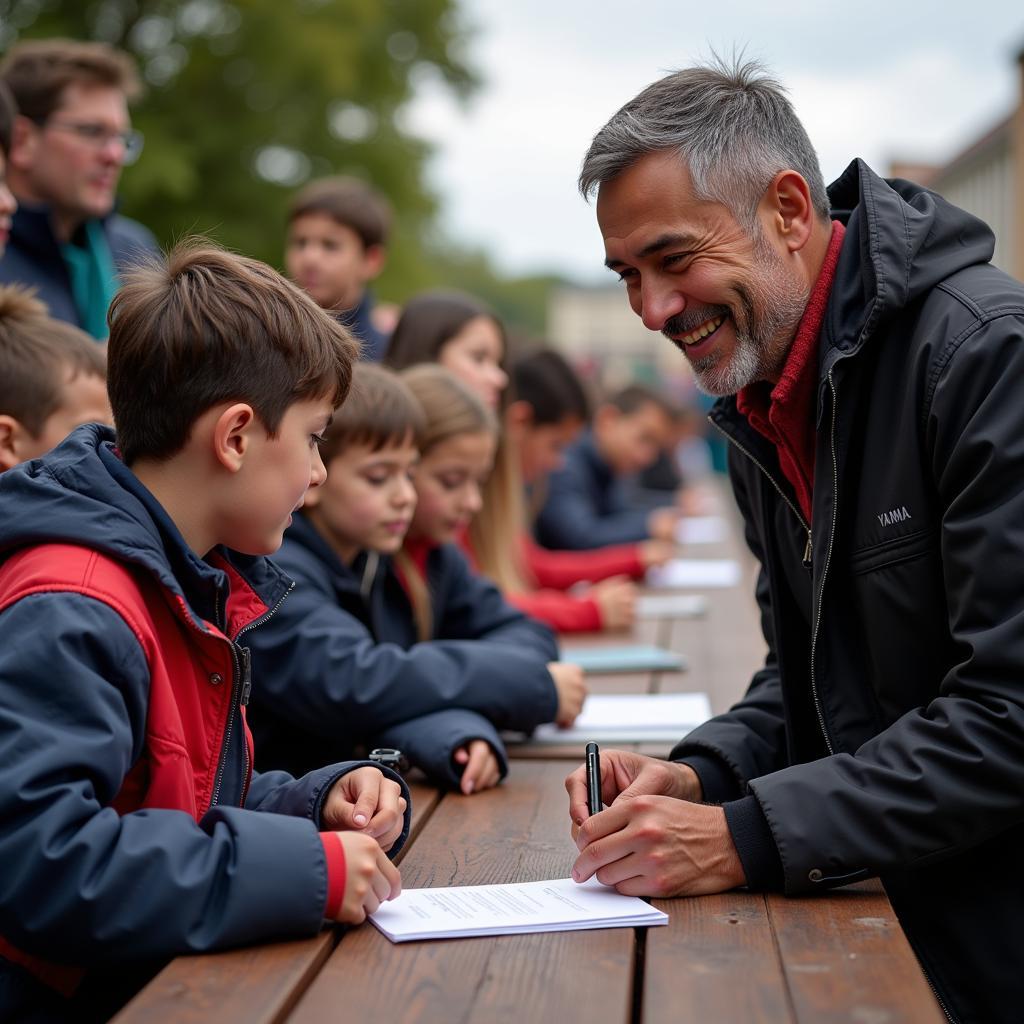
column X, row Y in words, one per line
column 737, row 957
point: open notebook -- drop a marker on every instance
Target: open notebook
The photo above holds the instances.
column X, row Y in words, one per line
column 515, row 908
column 631, row 718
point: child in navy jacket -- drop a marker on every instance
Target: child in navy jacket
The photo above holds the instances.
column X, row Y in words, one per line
column 128, row 824
column 344, row 663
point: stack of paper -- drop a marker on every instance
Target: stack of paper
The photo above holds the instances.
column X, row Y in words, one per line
column 701, row 530
column 631, row 718
column 683, row 573
column 671, row 606
column 513, row 909
column 629, row 658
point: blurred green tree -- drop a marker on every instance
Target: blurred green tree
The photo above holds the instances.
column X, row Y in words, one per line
column 248, row 99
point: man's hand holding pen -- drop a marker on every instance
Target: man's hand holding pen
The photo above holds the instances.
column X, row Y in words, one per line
column 653, row 838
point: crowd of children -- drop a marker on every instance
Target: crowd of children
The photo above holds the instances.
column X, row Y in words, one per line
column 424, row 517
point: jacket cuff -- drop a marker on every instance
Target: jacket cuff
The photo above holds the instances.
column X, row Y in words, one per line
column 717, row 782
column 754, row 843
column 337, row 871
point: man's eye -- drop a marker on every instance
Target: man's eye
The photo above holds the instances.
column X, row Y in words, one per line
column 318, row 439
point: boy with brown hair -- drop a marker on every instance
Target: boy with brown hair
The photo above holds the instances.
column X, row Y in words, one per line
column 336, row 245
column 586, row 506
column 52, row 378
column 129, row 829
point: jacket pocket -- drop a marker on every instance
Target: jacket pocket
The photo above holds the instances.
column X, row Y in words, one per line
column 891, row 552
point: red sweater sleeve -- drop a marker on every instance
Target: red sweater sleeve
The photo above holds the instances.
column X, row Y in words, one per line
column 564, row 613
column 559, row 570
column 337, row 871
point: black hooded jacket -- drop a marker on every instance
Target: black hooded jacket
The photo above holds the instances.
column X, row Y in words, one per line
column 885, row 734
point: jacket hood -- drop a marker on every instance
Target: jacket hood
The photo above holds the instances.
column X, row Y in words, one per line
column 81, row 493
column 902, row 240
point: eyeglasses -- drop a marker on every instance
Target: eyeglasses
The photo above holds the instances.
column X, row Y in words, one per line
column 99, row 135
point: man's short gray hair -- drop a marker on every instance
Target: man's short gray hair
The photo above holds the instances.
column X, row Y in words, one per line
column 730, row 124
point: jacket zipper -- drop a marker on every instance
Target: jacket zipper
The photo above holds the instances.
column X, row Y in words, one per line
column 782, row 494
column 807, row 549
column 242, row 675
column 824, row 571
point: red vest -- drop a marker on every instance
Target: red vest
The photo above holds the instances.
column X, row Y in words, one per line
column 191, row 675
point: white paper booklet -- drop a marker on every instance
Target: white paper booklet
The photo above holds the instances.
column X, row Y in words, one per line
column 701, row 530
column 671, row 606
column 683, row 573
column 631, row 718
column 559, row 905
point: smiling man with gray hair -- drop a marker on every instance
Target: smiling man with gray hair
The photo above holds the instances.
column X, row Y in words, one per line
column 868, row 358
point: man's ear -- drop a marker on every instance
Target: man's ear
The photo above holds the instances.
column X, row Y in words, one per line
column 605, row 416
column 10, row 431
column 24, row 143
column 519, row 417
column 234, row 431
column 374, row 258
column 789, row 210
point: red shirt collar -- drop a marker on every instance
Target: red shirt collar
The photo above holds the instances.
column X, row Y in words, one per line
column 785, row 414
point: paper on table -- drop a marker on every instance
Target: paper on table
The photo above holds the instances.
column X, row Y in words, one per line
column 694, row 572
column 629, row 658
column 511, row 909
column 631, row 718
column 701, row 530
column 671, row 606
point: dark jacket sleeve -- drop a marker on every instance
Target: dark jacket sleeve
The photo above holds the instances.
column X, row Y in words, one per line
column 570, row 520
column 84, row 885
column 471, row 607
column 430, row 741
column 319, row 668
column 948, row 775
column 749, row 740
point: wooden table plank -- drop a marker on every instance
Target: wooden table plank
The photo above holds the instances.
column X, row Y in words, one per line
column 258, row 984
column 715, row 961
column 846, row 959
column 518, row 832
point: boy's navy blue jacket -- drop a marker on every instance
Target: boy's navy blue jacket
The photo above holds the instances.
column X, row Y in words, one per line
column 85, row 882
column 586, row 505
column 340, row 663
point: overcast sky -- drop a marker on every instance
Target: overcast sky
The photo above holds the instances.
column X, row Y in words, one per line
column 880, row 79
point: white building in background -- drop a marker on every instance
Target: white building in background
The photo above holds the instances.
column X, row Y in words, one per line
column 594, row 328
column 987, row 179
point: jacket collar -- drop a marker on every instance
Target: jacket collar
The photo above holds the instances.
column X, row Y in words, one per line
column 81, row 493
column 901, row 240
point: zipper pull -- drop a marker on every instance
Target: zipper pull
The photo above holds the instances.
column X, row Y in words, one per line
column 807, row 552
column 243, row 700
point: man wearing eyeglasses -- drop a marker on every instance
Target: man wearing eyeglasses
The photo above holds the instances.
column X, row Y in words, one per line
column 70, row 141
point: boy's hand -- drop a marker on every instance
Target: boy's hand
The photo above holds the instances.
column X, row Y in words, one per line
column 661, row 523
column 366, row 801
column 657, row 552
column 616, row 597
column 572, row 691
column 370, row 878
column 482, row 769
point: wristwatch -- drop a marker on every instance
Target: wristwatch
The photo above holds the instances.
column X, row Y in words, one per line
column 389, row 757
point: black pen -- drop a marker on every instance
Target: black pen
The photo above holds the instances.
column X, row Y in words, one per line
column 594, row 804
